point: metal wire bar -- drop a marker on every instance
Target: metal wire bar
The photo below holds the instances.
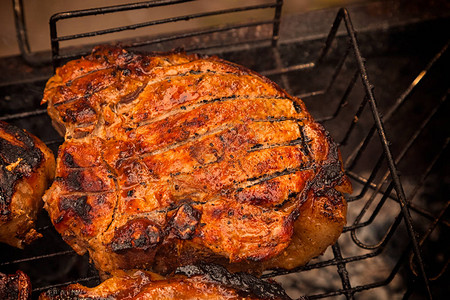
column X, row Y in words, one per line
column 22, row 36
column 430, row 229
column 279, row 64
column 412, row 206
column 377, row 209
column 388, row 191
column 277, row 22
column 385, row 145
column 24, row 81
column 40, row 289
column 55, row 141
column 405, row 149
column 354, row 157
column 38, row 257
column 368, row 182
column 322, row 264
column 59, row 58
column 342, row 271
column 55, row 40
column 355, row 120
column 161, row 21
column 369, row 286
column 343, row 101
column 284, row 70
column 330, row 38
column 22, row 115
column 21, row 29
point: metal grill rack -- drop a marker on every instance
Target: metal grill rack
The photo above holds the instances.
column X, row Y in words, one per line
column 394, row 230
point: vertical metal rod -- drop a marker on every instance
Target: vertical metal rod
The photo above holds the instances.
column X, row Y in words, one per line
column 355, row 120
column 366, row 186
column 353, row 158
column 330, row 37
column 21, row 28
column 385, row 144
column 343, row 273
column 276, row 23
column 54, row 42
column 343, row 100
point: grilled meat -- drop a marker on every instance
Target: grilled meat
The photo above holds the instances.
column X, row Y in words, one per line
column 27, row 167
column 15, row 287
column 170, row 159
column 190, row 282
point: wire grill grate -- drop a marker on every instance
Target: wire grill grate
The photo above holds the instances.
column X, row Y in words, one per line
column 354, row 119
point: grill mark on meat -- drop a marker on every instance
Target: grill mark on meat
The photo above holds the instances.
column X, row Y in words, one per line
column 149, row 83
column 117, row 190
column 201, row 166
column 305, row 143
column 266, row 177
column 200, row 103
column 186, row 96
column 266, row 146
column 133, row 95
column 210, row 133
column 70, row 82
column 186, row 141
column 181, row 127
column 126, row 99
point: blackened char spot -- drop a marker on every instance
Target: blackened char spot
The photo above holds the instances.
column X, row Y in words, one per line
column 74, row 180
column 26, row 157
column 137, row 234
column 67, row 158
column 297, row 107
column 15, row 286
column 246, row 284
column 328, row 176
column 185, row 221
column 18, row 134
column 78, row 206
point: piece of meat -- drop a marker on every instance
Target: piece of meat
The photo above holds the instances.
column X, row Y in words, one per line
column 190, row 282
column 170, row 159
column 27, row 168
column 15, row 287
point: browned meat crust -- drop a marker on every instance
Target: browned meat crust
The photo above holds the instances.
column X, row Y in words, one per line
column 191, row 282
column 27, row 168
column 172, row 158
column 15, row 287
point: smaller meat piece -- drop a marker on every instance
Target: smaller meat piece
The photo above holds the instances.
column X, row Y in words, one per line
column 189, row 282
column 27, row 168
column 15, row 287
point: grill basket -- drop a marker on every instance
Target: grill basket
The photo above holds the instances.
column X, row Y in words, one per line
column 394, row 242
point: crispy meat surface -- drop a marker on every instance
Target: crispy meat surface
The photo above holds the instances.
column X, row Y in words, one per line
column 27, row 168
column 171, row 158
column 15, row 287
column 189, row 282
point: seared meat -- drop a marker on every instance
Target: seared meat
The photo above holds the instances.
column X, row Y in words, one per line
column 191, row 282
column 15, row 287
column 27, row 168
column 171, row 158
